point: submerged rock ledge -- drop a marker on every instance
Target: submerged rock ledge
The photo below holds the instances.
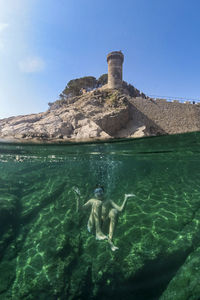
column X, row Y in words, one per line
column 100, row 115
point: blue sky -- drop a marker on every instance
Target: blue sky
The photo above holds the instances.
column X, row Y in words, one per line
column 46, row 43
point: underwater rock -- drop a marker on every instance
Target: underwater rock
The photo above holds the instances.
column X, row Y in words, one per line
column 8, row 215
column 8, row 204
column 7, row 269
column 48, row 253
column 39, row 196
column 185, row 284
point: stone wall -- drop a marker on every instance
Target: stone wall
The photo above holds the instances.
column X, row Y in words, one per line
column 170, row 117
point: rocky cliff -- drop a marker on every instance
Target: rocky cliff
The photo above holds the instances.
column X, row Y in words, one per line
column 103, row 114
column 99, row 114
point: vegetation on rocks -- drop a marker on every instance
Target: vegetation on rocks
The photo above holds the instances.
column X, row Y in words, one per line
column 76, row 87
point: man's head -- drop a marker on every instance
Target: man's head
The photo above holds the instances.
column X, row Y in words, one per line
column 98, row 192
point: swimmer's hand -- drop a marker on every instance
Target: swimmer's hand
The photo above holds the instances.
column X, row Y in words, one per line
column 76, row 190
column 129, row 195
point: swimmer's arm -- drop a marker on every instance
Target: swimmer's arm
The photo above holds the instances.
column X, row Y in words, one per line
column 121, row 208
column 78, row 205
column 117, row 207
column 87, row 204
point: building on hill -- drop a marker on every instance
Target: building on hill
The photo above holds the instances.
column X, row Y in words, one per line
column 115, row 61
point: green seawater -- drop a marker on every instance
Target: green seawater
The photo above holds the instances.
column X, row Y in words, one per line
column 46, row 251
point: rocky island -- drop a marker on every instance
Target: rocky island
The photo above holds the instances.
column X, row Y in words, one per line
column 91, row 109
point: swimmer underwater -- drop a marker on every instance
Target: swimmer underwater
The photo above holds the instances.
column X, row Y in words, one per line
column 104, row 214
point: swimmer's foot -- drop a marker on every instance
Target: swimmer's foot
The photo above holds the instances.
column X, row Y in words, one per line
column 112, row 246
column 101, row 236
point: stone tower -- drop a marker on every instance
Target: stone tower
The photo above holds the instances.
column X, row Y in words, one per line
column 115, row 60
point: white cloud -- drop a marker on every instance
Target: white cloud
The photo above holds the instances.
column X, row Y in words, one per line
column 32, row 65
column 3, row 26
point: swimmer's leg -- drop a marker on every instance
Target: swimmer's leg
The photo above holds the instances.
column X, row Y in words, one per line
column 90, row 224
column 113, row 215
column 96, row 211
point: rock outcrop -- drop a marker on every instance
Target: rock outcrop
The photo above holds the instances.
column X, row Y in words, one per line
column 103, row 114
column 99, row 114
